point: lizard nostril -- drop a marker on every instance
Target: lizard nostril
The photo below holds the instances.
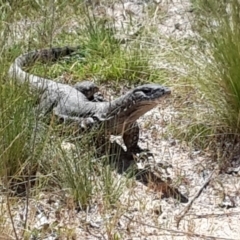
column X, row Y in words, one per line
column 61, row 120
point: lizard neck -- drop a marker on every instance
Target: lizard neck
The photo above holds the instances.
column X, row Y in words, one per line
column 120, row 104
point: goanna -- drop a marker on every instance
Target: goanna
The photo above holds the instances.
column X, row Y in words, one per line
column 71, row 103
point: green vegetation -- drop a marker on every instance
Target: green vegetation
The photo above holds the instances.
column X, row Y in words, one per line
column 105, row 59
column 210, row 106
column 221, row 34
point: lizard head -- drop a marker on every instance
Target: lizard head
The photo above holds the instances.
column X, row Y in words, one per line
column 149, row 92
column 141, row 100
column 128, row 108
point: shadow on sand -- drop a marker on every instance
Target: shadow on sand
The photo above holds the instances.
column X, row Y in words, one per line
column 124, row 163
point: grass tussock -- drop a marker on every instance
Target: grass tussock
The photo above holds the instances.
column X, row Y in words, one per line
column 221, row 35
column 103, row 58
column 209, row 87
column 21, row 143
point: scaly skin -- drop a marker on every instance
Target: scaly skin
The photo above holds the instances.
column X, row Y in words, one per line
column 71, row 103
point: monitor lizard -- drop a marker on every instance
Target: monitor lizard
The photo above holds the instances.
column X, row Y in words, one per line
column 75, row 103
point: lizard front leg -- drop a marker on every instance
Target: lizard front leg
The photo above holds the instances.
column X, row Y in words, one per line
column 84, row 123
column 131, row 137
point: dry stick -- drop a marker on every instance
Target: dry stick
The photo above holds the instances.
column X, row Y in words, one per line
column 215, row 215
column 187, row 208
column 11, row 218
column 178, row 232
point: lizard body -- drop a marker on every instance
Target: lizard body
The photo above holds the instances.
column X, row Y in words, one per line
column 73, row 103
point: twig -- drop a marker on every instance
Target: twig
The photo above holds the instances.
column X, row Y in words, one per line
column 11, row 218
column 187, row 208
column 178, row 232
column 215, row 215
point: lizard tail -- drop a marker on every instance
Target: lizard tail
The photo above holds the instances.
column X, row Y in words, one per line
column 52, row 54
column 44, row 55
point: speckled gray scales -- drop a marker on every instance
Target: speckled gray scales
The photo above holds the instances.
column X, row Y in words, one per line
column 80, row 104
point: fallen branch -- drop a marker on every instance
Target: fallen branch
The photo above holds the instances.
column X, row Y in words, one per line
column 180, row 216
column 177, row 232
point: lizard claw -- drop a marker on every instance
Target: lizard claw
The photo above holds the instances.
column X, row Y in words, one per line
column 86, row 123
